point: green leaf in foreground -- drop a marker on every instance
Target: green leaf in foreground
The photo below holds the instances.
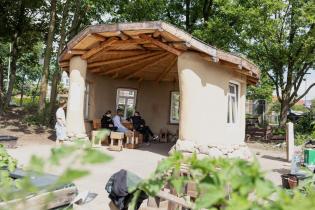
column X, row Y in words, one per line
column 93, row 156
column 72, row 174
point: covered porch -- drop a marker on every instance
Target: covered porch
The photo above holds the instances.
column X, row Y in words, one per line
column 145, row 67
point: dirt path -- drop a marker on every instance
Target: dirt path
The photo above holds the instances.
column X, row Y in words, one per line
column 143, row 161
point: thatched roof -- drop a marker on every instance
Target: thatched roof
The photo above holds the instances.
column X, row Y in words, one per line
column 145, row 50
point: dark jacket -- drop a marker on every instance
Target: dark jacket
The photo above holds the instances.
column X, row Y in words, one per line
column 137, row 121
column 121, row 187
column 106, row 121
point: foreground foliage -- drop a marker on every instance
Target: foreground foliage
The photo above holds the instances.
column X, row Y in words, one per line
column 80, row 153
column 229, row 184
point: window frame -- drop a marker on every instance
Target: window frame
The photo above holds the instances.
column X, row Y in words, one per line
column 237, row 104
column 126, row 98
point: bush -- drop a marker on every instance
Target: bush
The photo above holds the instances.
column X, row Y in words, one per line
column 226, row 184
column 305, row 125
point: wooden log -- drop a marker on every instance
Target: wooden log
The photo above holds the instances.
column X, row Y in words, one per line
column 118, row 60
column 99, row 37
column 47, row 200
column 121, row 68
column 161, row 44
column 102, row 46
column 157, row 59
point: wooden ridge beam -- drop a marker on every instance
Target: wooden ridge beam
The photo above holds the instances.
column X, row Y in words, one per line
column 120, row 68
column 161, row 44
column 157, row 60
column 102, row 46
column 166, row 71
column 118, row 60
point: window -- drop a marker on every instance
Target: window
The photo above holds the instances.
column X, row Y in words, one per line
column 232, row 103
column 86, row 101
column 126, row 100
column 174, row 112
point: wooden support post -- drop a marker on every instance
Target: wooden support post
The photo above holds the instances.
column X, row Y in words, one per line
column 290, row 140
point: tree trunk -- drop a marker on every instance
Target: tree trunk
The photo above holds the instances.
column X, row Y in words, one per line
column 187, row 22
column 22, row 91
column 1, row 86
column 48, row 51
column 206, row 10
column 34, row 93
column 284, row 112
column 76, row 22
column 57, row 73
column 14, row 57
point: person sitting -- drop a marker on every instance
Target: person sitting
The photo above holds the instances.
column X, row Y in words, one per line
column 139, row 125
column 107, row 121
column 117, row 121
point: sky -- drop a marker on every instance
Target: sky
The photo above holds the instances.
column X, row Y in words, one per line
column 310, row 79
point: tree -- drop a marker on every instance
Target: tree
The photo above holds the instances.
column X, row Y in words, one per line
column 57, row 73
column 278, row 35
column 263, row 90
column 47, row 57
column 20, row 23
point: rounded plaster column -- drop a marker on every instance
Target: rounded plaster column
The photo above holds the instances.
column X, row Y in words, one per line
column 203, row 126
column 75, row 106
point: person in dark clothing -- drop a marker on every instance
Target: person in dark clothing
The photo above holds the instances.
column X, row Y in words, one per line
column 140, row 126
column 107, row 121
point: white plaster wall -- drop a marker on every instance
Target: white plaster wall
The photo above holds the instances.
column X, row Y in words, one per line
column 203, row 87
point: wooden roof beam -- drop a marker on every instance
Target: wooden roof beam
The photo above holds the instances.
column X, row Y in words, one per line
column 131, row 41
column 161, row 44
column 76, row 52
column 120, row 68
column 64, row 64
column 166, row 71
column 118, row 60
column 98, row 37
column 157, row 59
column 101, row 46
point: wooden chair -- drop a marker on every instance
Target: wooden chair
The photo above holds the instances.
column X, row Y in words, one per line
column 116, row 143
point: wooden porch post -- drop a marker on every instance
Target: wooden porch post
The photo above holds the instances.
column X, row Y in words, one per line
column 75, row 106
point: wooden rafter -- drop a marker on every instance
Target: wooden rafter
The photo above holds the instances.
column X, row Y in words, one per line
column 148, row 58
column 157, row 60
column 166, row 71
column 64, row 64
column 99, row 37
column 76, row 52
column 123, row 36
column 156, row 34
column 131, row 41
column 118, row 60
column 161, row 44
column 102, row 46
